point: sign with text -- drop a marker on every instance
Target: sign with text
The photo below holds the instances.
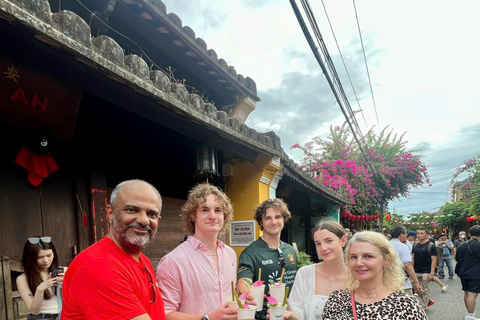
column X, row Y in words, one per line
column 32, row 101
column 242, row 233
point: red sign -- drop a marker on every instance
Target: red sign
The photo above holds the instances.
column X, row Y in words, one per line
column 30, row 100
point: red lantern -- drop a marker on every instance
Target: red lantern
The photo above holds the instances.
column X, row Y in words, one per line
column 387, row 216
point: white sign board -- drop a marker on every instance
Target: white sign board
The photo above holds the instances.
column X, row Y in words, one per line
column 242, row 233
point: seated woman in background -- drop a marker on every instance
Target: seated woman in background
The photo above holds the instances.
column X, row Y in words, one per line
column 314, row 283
column 37, row 285
column 374, row 284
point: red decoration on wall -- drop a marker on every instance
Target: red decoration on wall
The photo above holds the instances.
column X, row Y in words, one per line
column 39, row 166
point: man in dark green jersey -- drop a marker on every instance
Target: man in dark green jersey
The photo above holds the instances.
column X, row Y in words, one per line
column 268, row 252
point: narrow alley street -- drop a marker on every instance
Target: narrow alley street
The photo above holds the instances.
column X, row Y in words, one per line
column 448, row 305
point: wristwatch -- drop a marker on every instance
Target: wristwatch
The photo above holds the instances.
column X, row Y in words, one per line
column 205, row 317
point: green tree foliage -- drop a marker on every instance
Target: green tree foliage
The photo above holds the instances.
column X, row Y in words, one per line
column 471, row 189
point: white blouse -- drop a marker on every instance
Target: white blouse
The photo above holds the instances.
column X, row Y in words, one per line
column 302, row 299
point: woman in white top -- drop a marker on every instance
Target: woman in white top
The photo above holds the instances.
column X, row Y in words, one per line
column 37, row 286
column 314, row 283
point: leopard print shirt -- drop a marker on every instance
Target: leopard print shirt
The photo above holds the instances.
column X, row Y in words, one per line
column 397, row 306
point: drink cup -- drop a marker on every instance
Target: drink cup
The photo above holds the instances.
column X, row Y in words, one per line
column 257, row 294
column 277, row 292
column 246, row 313
column 277, row 312
column 232, row 303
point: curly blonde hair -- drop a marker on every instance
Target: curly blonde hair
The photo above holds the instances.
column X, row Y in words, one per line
column 393, row 273
column 198, row 195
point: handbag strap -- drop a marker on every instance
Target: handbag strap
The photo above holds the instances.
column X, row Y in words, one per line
column 353, row 306
column 470, row 249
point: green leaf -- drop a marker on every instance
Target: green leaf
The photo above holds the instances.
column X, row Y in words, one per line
column 248, row 282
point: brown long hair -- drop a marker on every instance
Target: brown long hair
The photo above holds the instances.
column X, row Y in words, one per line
column 29, row 264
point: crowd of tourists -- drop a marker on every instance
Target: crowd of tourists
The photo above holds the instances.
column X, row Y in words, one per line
column 363, row 276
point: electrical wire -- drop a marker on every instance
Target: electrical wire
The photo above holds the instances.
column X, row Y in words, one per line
column 331, row 82
column 344, row 64
column 365, row 58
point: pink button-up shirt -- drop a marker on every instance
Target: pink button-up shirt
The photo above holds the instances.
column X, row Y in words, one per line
column 190, row 281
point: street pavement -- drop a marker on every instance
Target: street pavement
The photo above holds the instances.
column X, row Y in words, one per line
column 448, row 305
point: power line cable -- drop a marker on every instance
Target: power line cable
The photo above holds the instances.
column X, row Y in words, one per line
column 365, row 58
column 328, row 60
column 316, row 53
column 343, row 61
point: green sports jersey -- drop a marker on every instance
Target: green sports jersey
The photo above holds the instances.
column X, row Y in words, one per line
column 259, row 255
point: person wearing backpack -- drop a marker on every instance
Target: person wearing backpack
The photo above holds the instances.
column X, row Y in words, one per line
column 424, row 260
column 468, row 269
column 445, row 248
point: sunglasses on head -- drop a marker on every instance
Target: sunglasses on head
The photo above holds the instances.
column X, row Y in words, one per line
column 35, row 240
column 281, row 258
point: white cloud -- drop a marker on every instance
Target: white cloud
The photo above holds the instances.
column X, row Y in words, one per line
column 423, row 58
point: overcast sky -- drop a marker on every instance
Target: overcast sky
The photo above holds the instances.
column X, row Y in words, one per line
column 423, row 58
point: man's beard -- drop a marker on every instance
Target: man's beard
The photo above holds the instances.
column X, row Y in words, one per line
column 132, row 242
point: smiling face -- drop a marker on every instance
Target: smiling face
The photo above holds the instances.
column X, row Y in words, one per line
column 209, row 217
column 366, row 262
column 329, row 246
column 134, row 220
column 272, row 222
column 44, row 259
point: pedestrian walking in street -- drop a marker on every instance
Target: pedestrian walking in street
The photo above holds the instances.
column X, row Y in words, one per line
column 411, row 239
column 462, row 237
column 374, row 284
column 468, row 269
column 446, row 247
column 399, row 237
column 424, row 259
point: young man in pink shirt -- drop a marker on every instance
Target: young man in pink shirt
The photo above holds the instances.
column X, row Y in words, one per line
column 195, row 278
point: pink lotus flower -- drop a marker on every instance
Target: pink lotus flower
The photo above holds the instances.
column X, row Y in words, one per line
column 258, row 283
column 243, row 296
column 272, row 301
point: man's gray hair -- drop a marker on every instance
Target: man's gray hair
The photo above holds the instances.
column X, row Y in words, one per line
column 127, row 184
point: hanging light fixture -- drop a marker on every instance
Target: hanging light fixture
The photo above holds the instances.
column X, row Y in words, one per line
column 207, row 161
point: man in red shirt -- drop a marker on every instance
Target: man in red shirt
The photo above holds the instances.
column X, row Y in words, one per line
column 112, row 279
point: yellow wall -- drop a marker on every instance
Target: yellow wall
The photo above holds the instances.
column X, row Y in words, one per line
column 246, row 191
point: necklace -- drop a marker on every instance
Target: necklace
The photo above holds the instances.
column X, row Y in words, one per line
column 331, row 278
column 371, row 296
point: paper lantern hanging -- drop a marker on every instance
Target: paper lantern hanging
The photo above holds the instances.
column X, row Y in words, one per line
column 387, row 217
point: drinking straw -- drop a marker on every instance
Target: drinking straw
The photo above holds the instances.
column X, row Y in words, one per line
column 281, row 277
column 233, row 292
column 287, row 289
column 239, row 304
column 259, row 274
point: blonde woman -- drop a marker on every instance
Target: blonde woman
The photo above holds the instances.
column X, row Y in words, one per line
column 374, row 284
column 314, row 283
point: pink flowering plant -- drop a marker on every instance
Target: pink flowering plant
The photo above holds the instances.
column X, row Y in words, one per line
column 338, row 163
